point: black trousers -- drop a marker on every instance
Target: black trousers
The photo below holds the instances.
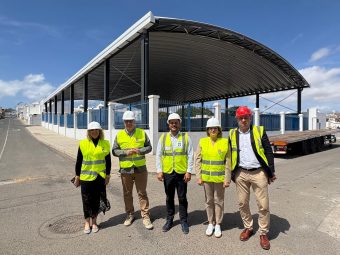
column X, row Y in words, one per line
column 172, row 182
column 90, row 194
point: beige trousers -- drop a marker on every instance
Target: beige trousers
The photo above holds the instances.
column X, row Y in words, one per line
column 258, row 181
column 214, row 201
column 140, row 179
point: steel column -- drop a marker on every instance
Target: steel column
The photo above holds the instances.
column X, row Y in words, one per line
column 62, row 102
column 299, row 100
column 106, row 82
column 72, row 98
column 86, row 92
column 226, row 114
column 144, row 72
column 55, row 104
column 202, row 112
column 257, row 100
column 50, row 106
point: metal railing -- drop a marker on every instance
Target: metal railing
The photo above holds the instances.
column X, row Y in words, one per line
column 70, row 120
column 101, row 116
column 82, row 120
column 141, row 110
column 194, row 116
column 61, row 120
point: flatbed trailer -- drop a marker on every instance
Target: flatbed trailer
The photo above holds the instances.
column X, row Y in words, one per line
column 302, row 142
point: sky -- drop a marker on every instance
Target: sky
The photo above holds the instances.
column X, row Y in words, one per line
column 44, row 42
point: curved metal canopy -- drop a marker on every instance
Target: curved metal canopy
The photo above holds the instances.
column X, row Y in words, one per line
column 188, row 62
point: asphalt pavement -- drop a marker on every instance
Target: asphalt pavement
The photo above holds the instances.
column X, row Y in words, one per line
column 41, row 212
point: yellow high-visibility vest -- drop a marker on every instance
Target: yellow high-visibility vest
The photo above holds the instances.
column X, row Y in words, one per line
column 257, row 133
column 136, row 141
column 93, row 159
column 175, row 160
column 213, row 159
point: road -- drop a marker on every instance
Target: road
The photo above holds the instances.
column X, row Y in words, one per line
column 41, row 212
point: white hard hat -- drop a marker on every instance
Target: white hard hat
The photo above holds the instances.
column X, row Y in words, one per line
column 128, row 115
column 213, row 122
column 93, row 125
column 174, row 116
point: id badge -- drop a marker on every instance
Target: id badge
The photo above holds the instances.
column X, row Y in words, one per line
column 179, row 144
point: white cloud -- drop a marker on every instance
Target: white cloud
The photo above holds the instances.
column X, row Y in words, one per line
column 319, row 54
column 296, row 38
column 325, row 84
column 15, row 24
column 324, row 92
column 33, row 87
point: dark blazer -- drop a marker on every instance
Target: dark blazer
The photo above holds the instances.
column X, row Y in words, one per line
column 269, row 169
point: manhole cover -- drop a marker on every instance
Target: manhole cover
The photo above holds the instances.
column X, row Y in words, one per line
column 67, row 225
column 63, row 226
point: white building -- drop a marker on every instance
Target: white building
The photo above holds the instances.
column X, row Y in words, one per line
column 316, row 119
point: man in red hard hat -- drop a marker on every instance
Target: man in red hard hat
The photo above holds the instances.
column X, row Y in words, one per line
column 252, row 165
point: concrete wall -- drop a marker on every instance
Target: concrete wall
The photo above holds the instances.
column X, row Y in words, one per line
column 34, row 119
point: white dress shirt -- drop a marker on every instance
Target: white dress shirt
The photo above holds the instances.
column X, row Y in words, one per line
column 247, row 156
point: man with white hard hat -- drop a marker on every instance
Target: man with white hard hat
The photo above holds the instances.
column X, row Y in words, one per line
column 131, row 145
column 174, row 162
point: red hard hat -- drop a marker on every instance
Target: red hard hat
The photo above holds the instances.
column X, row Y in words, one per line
column 242, row 111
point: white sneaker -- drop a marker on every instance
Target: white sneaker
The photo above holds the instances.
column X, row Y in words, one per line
column 209, row 230
column 129, row 219
column 218, row 232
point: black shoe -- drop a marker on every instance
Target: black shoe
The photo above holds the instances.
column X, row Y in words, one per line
column 168, row 225
column 185, row 227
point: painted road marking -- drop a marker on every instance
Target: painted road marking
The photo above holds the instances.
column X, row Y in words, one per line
column 28, row 179
column 331, row 224
column 3, row 148
column 7, row 182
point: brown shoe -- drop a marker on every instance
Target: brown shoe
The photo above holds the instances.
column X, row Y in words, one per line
column 246, row 233
column 264, row 242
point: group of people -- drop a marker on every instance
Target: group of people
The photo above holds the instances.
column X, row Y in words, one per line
column 245, row 157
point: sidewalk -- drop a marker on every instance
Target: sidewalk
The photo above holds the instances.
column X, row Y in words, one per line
column 69, row 146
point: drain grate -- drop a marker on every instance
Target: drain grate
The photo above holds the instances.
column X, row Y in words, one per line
column 62, row 227
column 67, row 225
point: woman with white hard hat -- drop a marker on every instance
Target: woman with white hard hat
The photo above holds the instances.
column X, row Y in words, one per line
column 213, row 172
column 93, row 169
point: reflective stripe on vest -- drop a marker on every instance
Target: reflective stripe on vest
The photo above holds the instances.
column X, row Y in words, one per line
column 95, row 162
column 213, row 159
column 257, row 134
column 126, row 142
column 175, row 159
column 93, row 159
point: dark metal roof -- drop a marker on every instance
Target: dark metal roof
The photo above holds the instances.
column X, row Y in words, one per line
column 189, row 62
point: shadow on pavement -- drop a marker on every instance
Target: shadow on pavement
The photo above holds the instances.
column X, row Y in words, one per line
column 157, row 212
column 230, row 220
column 277, row 225
column 233, row 220
column 113, row 221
